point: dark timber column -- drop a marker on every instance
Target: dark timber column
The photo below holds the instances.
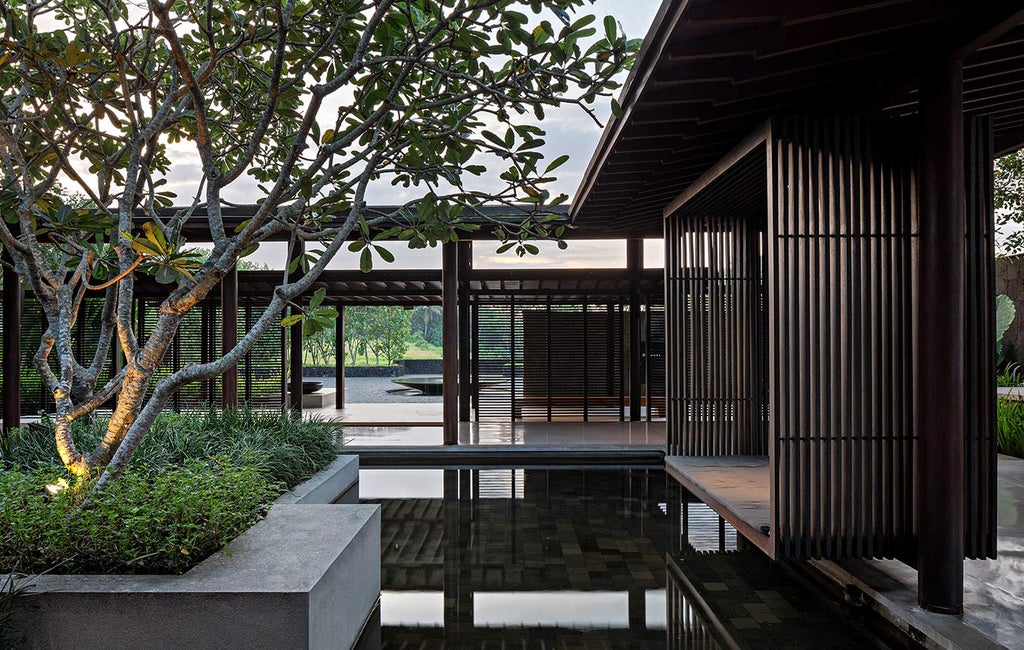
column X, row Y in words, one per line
column 229, row 336
column 940, row 388
column 635, row 267
column 450, row 342
column 465, row 263
column 295, row 346
column 13, row 302
column 339, row 358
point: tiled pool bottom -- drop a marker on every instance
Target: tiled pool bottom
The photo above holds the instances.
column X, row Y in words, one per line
column 558, row 558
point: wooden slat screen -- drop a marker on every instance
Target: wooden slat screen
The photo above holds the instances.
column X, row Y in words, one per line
column 654, row 359
column 492, row 361
column 842, row 229
column 34, row 397
column 715, row 302
column 561, row 359
column 260, row 373
column 566, row 375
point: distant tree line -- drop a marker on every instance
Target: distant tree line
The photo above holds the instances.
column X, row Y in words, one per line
column 381, row 332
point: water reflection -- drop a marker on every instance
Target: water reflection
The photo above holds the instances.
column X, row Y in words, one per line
column 576, row 558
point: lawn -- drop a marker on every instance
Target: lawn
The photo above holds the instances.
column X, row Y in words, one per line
column 415, row 351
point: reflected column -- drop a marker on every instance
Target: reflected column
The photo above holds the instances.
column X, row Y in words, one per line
column 458, row 590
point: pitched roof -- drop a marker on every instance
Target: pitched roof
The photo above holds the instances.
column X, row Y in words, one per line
column 711, row 71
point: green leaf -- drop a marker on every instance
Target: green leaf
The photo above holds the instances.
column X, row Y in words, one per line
column 556, row 163
column 385, row 254
column 156, row 236
column 165, row 275
column 318, row 298
column 1005, row 313
column 365, row 261
column 616, row 108
column 609, row 27
column 143, row 248
column 493, row 138
column 288, row 321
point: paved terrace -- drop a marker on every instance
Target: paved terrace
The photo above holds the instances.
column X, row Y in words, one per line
column 993, row 589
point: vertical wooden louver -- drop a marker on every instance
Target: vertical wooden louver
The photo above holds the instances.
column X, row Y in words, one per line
column 198, row 341
column 842, row 225
column 979, row 345
column 714, row 299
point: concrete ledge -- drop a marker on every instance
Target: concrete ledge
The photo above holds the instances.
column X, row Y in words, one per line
column 320, row 399
column 327, row 485
column 307, row 576
column 1011, row 392
column 889, row 599
column 550, row 456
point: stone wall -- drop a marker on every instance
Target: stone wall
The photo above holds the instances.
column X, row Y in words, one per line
column 401, row 367
column 1010, row 280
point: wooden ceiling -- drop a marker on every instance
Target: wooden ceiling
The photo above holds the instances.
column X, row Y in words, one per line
column 712, row 71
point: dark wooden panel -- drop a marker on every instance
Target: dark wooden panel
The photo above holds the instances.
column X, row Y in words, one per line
column 979, row 342
column 840, row 239
column 562, row 359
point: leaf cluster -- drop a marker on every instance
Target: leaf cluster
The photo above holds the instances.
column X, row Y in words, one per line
column 287, row 448
column 151, row 521
column 1010, row 427
column 1008, row 179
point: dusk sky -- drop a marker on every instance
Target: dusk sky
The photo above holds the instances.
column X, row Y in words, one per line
column 569, row 131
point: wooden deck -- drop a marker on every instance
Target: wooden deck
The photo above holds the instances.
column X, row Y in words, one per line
column 738, row 488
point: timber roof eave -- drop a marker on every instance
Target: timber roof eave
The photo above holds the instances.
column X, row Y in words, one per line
column 711, row 71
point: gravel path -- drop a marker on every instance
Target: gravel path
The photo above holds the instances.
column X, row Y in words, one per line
column 374, row 390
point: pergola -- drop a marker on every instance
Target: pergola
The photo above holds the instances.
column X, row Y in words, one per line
column 821, row 172
column 516, row 342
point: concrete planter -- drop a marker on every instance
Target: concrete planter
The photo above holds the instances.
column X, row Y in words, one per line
column 306, row 576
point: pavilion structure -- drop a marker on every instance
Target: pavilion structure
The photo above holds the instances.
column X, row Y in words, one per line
column 822, row 335
column 822, row 175
column 536, row 344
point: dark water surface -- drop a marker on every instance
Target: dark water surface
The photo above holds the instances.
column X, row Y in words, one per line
column 558, row 558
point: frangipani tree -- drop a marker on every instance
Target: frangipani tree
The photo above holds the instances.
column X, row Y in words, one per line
column 313, row 100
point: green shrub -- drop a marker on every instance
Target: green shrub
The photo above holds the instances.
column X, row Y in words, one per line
column 152, row 520
column 1010, row 426
column 288, row 448
column 1010, row 376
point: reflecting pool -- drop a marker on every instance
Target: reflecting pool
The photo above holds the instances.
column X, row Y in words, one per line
column 569, row 558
